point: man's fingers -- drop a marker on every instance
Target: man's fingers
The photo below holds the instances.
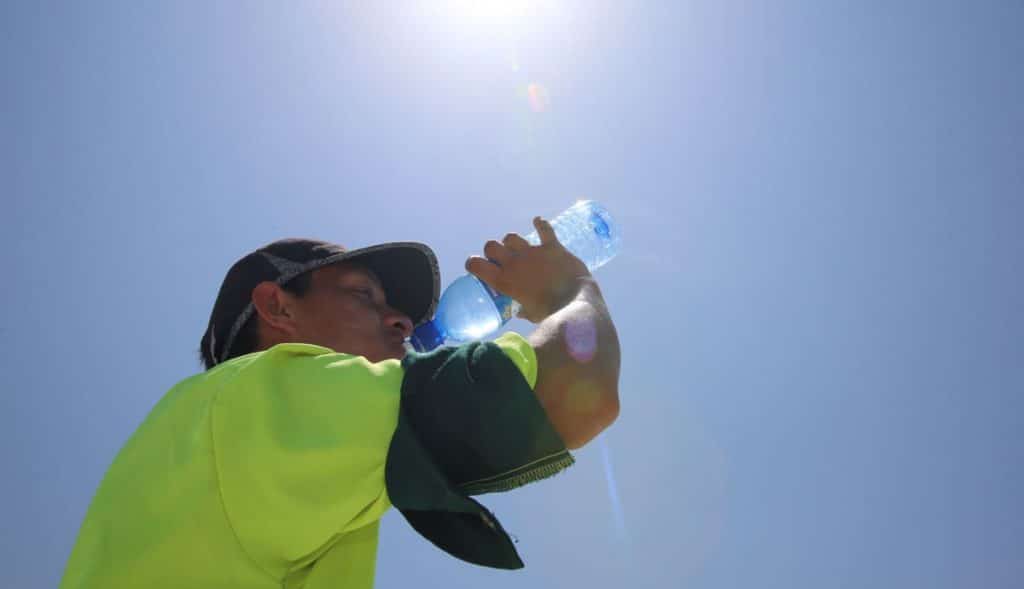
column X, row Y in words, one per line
column 544, row 231
column 496, row 252
column 515, row 242
column 483, row 269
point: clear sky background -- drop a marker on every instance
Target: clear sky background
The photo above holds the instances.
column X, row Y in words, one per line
column 819, row 296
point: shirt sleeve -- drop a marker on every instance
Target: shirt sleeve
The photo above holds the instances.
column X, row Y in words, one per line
column 521, row 353
column 301, row 438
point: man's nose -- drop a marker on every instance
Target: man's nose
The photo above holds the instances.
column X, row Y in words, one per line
column 400, row 321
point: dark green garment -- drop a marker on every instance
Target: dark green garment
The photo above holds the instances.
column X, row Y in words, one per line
column 469, row 423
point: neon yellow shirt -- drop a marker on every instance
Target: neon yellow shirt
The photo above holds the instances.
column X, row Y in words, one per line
column 265, row 471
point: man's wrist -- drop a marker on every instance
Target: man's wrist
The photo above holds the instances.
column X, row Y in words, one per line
column 582, row 289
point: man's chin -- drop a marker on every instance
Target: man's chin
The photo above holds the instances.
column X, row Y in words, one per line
column 397, row 351
column 404, row 349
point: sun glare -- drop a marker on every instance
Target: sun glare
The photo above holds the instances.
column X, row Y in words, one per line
column 492, row 15
column 489, row 19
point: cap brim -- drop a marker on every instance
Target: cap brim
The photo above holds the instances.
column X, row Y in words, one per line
column 409, row 273
column 450, row 520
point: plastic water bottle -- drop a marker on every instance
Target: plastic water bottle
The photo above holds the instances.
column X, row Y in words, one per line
column 470, row 309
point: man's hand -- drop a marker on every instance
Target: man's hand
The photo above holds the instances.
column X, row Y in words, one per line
column 576, row 343
column 542, row 278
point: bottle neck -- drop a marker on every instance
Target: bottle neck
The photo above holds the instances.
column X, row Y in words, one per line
column 426, row 337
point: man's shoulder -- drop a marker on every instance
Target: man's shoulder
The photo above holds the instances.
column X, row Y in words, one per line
column 307, row 354
column 290, row 365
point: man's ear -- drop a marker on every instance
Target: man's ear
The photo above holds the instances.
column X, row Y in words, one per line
column 274, row 306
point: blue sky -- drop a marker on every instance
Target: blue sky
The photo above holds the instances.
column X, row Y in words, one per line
column 819, row 297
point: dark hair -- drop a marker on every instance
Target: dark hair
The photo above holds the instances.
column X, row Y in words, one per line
column 249, row 336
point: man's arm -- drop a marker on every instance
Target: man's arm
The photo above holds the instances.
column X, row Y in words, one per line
column 577, row 351
column 575, row 341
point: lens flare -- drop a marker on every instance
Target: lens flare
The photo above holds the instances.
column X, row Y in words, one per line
column 618, row 517
column 538, row 97
column 580, row 337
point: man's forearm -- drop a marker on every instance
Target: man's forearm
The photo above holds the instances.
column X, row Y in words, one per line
column 578, row 366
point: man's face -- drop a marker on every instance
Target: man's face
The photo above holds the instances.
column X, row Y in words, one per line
column 345, row 309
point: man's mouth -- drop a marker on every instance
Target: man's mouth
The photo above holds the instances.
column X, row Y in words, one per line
column 399, row 341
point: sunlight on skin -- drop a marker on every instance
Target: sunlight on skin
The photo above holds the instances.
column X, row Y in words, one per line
column 580, row 337
column 582, row 398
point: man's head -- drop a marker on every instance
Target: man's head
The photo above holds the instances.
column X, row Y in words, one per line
column 363, row 302
column 345, row 309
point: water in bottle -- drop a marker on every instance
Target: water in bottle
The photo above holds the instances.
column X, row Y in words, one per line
column 469, row 309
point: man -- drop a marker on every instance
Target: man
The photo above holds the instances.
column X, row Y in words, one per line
column 273, row 467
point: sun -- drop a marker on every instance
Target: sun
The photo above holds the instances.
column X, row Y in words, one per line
column 492, row 13
column 492, row 16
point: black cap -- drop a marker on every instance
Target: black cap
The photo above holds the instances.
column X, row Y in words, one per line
column 408, row 271
column 469, row 424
